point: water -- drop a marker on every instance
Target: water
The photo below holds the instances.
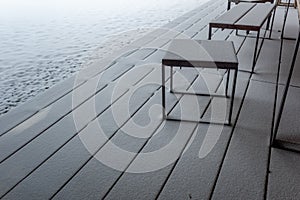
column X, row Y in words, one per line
column 44, row 42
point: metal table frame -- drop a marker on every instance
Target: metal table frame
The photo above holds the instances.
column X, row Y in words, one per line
column 233, row 25
column 185, row 63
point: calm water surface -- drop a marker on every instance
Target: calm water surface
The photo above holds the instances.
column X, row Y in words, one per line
column 43, row 42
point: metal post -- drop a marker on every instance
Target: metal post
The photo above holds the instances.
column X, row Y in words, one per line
column 255, row 51
column 285, row 17
column 275, row 124
column 268, row 22
column 163, row 91
column 285, row 92
column 227, row 83
column 228, row 5
column 171, row 79
column 271, row 29
column 232, row 96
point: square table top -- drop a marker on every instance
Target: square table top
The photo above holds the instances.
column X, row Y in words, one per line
column 201, row 53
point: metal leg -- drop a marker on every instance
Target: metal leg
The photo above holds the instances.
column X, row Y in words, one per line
column 227, row 83
column 228, row 5
column 285, row 17
column 271, row 29
column 209, row 32
column 171, row 79
column 268, row 22
column 255, row 51
column 232, row 96
column 285, row 91
column 163, row 80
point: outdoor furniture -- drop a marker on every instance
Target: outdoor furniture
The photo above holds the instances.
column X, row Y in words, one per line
column 248, row 17
column 281, row 3
column 200, row 54
column 247, row 1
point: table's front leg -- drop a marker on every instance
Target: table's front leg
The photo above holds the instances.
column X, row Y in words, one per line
column 271, row 29
column 209, row 32
column 163, row 89
column 255, row 51
column 227, row 83
column 232, row 96
column 171, row 79
column 228, row 4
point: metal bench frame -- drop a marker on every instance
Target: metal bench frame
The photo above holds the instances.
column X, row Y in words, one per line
column 235, row 21
column 181, row 62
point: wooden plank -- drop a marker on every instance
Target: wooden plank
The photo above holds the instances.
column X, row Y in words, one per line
column 208, row 16
column 284, row 175
column 245, row 54
column 184, row 110
column 267, row 64
column 296, row 75
column 255, row 18
column 186, row 35
column 155, row 57
column 157, row 43
column 289, row 129
column 292, row 24
column 182, row 27
column 202, row 35
column 237, row 41
column 245, row 165
column 137, row 183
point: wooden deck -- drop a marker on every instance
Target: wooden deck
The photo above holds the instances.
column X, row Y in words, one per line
column 99, row 134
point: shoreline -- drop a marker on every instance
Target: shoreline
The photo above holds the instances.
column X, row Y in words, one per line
column 112, row 44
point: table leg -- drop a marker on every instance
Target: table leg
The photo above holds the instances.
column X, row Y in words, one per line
column 232, row 96
column 171, row 79
column 209, row 32
column 227, row 83
column 268, row 22
column 163, row 82
column 271, row 29
column 228, row 5
column 255, row 51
